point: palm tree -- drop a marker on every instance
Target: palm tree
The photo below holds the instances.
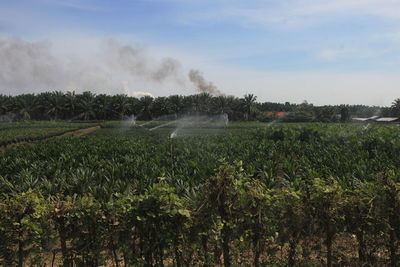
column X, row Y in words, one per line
column 103, row 107
column 5, row 104
column 71, row 104
column 176, row 102
column 55, row 105
column 25, row 105
column 134, row 106
column 248, row 105
column 396, row 107
column 200, row 103
column 87, row 106
column 192, row 104
column 221, row 104
column 161, row 106
column 120, row 105
column 146, row 103
column 205, row 100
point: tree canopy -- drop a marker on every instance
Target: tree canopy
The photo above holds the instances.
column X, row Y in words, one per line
column 89, row 106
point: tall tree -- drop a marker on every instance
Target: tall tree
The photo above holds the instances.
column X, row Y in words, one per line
column 249, row 101
column 103, row 107
column 221, row 104
column 326, row 114
column 55, row 105
column 120, row 105
column 161, row 106
column 396, row 107
column 87, row 106
column 71, row 104
column 145, row 103
column 344, row 114
column 205, row 100
column 5, row 104
column 25, row 105
column 176, row 102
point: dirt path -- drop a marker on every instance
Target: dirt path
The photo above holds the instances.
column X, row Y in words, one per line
column 80, row 132
column 74, row 133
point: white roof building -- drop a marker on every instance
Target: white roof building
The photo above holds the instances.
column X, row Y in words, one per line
column 377, row 119
column 387, row 119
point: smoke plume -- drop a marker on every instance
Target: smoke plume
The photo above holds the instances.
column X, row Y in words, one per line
column 202, row 84
column 113, row 68
column 134, row 61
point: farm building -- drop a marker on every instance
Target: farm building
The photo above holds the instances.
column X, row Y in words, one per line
column 359, row 119
column 370, row 119
column 388, row 119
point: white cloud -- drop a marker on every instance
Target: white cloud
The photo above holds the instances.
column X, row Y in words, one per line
column 329, row 54
column 300, row 13
column 75, row 4
column 314, row 86
column 345, row 53
column 393, row 36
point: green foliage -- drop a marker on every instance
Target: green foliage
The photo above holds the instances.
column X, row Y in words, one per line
column 263, row 117
column 344, row 114
column 23, row 227
column 299, row 116
column 326, row 114
column 89, row 106
column 245, row 195
column 36, row 130
column 395, row 108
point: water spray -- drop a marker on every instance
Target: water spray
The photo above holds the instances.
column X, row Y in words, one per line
column 164, row 117
column 188, row 120
column 174, row 134
column 162, row 125
column 127, row 123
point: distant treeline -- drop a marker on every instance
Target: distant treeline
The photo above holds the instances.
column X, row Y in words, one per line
column 89, row 106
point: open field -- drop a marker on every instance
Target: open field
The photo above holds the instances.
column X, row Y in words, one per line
column 37, row 130
column 244, row 194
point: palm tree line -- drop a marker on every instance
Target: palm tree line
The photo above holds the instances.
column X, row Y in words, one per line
column 89, row 106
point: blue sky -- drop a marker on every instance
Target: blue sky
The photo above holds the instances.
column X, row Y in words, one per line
column 323, row 51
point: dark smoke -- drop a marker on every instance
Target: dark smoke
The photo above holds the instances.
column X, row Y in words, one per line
column 34, row 66
column 202, row 84
column 134, row 61
column 168, row 67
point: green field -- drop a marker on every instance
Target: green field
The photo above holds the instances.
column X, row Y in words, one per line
column 243, row 194
column 27, row 131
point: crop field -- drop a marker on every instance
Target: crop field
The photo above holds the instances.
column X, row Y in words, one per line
column 32, row 131
column 202, row 194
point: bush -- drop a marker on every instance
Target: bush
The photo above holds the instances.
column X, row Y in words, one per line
column 299, row 116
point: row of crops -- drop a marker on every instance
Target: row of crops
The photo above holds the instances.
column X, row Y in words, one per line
column 279, row 195
column 42, row 124
column 32, row 131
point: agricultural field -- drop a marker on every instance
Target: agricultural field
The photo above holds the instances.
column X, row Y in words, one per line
column 203, row 194
column 31, row 131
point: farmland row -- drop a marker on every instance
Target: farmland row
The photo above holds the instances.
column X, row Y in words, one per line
column 42, row 124
column 34, row 132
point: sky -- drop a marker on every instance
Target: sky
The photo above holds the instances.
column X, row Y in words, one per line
column 321, row 51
